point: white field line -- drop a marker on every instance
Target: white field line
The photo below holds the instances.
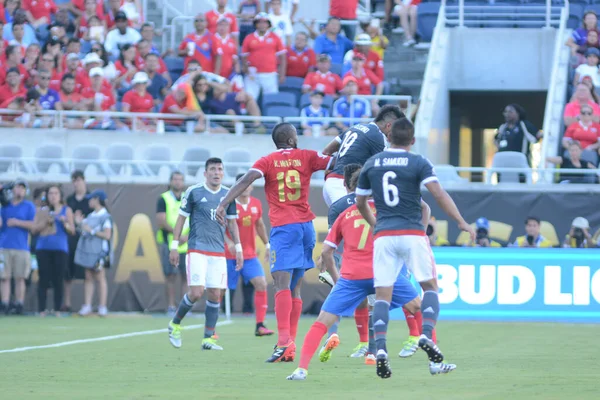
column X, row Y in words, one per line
column 105, row 338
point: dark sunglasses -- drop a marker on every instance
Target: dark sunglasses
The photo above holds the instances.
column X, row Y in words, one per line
column 199, row 20
column 48, row 59
column 586, row 113
column 96, row 50
column 44, row 78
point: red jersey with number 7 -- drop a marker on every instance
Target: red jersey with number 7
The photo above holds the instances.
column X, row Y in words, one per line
column 354, row 230
column 287, row 174
column 247, row 215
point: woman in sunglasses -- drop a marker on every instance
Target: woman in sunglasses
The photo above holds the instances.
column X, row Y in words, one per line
column 585, row 131
column 110, row 70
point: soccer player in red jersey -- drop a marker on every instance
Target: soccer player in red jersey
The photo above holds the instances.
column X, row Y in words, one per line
column 287, row 174
column 355, row 283
column 250, row 223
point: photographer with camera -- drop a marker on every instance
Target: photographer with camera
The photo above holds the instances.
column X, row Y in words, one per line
column 434, row 239
column 579, row 236
column 533, row 238
column 482, row 226
column 17, row 216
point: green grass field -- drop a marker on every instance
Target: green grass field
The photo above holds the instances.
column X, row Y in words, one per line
column 495, row 361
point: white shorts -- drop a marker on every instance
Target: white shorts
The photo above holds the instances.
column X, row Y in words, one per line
column 392, row 252
column 267, row 82
column 333, row 190
column 207, row 271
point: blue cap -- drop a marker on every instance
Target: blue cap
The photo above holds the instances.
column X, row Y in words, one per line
column 592, row 51
column 482, row 222
column 98, row 193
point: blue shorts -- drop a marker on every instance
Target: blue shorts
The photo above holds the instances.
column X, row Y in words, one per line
column 346, row 295
column 249, row 271
column 292, row 247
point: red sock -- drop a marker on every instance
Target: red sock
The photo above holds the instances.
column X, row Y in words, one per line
column 433, row 336
column 260, row 303
column 419, row 321
column 411, row 320
column 295, row 317
column 312, row 340
column 361, row 317
column 283, row 309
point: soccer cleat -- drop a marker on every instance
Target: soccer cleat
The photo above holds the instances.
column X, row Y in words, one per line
column 433, row 352
column 174, row 334
column 299, row 374
column 441, row 368
column 410, row 347
column 283, row 353
column 383, row 365
column 360, row 350
column 330, row 344
column 263, row 331
column 326, row 278
column 370, row 359
column 210, row 344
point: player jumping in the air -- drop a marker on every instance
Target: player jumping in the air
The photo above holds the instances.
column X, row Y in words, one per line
column 394, row 178
column 206, row 265
column 355, row 283
column 355, row 146
column 250, row 223
column 287, row 174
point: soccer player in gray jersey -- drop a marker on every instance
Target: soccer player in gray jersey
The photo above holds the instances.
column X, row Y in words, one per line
column 355, row 146
column 206, row 265
column 394, row 178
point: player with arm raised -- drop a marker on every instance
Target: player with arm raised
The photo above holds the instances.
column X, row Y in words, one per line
column 206, row 264
column 394, row 178
column 355, row 146
column 250, row 223
column 287, row 174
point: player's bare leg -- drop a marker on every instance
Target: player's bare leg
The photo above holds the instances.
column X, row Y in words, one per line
column 186, row 304
column 311, row 344
column 283, row 309
column 260, row 305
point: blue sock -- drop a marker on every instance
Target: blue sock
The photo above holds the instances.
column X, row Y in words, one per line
column 211, row 315
column 185, row 306
column 430, row 308
column 381, row 317
column 334, row 327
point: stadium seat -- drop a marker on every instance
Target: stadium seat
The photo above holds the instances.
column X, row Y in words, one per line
column 84, row 155
column 279, row 99
column 575, row 16
column 282, row 111
column 236, row 156
column 175, row 66
column 427, row 14
column 193, row 159
column 157, row 156
column 447, row 173
column 511, row 159
column 8, row 153
column 48, row 155
column 305, row 101
column 336, row 69
column 291, row 82
column 119, row 157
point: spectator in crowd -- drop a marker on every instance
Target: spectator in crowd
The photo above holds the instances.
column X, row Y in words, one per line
column 344, row 10
column 54, row 222
column 288, row 7
column 70, row 100
column 579, row 36
column 579, row 235
column 591, row 43
column 58, row 32
column 110, row 70
column 582, row 96
column 247, row 10
column 82, row 23
column 214, row 16
column 434, row 239
column 73, row 46
column 159, row 86
column 532, row 238
column 123, row 34
column 14, row 86
column 517, row 133
column 482, row 226
column 198, row 45
column 94, row 251
column 8, row 11
column 332, row 43
column 147, row 32
column 373, row 63
column 348, row 106
column 167, row 211
column 225, row 50
column 97, row 97
column 587, row 81
column 126, row 68
column 31, row 56
column 177, row 103
column 49, row 98
column 138, row 100
column 95, row 31
column 77, row 7
column 574, row 161
column 48, row 62
column 13, row 61
column 379, row 41
column 366, row 79
column 63, row 20
column 263, row 59
column 17, row 221
column 315, row 110
column 83, row 77
column 323, row 80
column 79, row 205
column 585, row 131
column 28, row 32
column 300, row 57
column 133, row 10
column 72, row 67
column 407, row 12
column 282, row 25
column 194, row 70
column 19, row 38
column 310, row 28
column 144, row 48
column 590, row 68
column 28, row 104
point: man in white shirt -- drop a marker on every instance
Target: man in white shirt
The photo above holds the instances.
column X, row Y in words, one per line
column 123, row 34
column 590, row 68
column 288, row 7
column 282, row 24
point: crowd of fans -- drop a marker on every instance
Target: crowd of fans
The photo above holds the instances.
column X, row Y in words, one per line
column 92, row 56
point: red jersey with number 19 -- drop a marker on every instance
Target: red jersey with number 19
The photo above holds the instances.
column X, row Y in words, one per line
column 247, row 215
column 351, row 227
column 287, row 174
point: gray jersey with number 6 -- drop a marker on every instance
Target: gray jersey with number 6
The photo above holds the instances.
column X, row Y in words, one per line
column 357, row 144
column 394, row 178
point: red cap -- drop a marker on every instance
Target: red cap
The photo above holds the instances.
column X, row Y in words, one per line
column 349, row 79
